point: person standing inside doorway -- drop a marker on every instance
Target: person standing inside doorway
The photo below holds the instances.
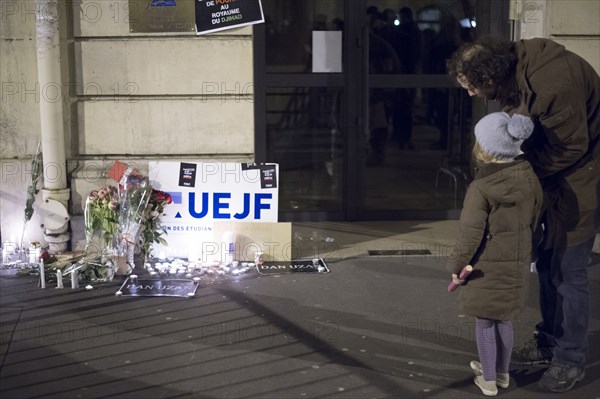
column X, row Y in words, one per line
column 560, row 91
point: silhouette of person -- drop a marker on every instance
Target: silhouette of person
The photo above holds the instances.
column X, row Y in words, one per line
column 444, row 44
column 407, row 43
column 382, row 60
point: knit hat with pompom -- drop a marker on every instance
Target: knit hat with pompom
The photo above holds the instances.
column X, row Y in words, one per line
column 501, row 135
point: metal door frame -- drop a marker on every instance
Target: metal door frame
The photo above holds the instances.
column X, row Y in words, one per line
column 492, row 18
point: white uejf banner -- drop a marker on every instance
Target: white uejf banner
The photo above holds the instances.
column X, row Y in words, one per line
column 203, row 193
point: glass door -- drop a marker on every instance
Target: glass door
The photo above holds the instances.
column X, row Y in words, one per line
column 302, row 91
column 353, row 102
column 418, row 143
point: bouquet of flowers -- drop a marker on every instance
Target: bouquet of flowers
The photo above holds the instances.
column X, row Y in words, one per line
column 101, row 215
column 101, row 219
column 134, row 193
column 134, row 204
column 152, row 231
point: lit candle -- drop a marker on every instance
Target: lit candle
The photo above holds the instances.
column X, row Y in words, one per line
column 42, row 275
column 59, row 282
column 74, row 282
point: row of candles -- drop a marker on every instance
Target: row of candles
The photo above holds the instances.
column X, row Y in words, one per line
column 183, row 267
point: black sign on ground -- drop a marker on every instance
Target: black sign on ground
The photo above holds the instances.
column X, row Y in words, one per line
column 216, row 15
column 293, row 266
column 158, row 287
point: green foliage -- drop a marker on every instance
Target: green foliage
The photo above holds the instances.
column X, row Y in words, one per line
column 102, row 214
column 33, row 190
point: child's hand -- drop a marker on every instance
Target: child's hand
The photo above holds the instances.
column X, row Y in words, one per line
column 457, row 280
column 460, row 279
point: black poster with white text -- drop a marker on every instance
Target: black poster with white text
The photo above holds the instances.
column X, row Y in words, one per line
column 187, row 174
column 216, row 15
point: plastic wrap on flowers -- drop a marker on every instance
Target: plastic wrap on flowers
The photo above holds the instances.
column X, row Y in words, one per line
column 101, row 232
column 152, row 230
column 101, row 216
column 134, row 201
column 134, row 193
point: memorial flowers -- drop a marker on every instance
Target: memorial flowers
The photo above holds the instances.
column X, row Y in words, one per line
column 102, row 215
column 134, row 204
column 127, row 216
column 152, row 231
column 101, row 218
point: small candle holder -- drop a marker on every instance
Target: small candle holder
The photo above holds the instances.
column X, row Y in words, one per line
column 259, row 258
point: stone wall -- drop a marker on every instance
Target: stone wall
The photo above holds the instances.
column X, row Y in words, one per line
column 573, row 23
column 128, row 96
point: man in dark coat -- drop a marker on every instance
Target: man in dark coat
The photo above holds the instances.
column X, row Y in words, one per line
column 560, row 91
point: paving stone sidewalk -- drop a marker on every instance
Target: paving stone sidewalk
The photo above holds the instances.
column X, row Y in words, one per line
column 375, row 327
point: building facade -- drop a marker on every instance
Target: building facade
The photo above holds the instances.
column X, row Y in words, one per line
column 258, row 93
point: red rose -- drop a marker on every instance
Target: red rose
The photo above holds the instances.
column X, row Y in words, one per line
column 44, row 255
column 162, row 197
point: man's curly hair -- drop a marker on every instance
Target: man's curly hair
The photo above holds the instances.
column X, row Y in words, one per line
column 489, row 59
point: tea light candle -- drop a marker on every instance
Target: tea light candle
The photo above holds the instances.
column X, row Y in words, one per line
column 259, row 258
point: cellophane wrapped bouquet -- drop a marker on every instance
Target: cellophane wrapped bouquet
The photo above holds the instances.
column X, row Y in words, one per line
column 135, row 195
column 134, row 192
column 152, row 230
column 101, row 218
column 101, row 215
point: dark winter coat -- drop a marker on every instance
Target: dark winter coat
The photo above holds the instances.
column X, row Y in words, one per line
column 495, row 237
column 561, row 92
